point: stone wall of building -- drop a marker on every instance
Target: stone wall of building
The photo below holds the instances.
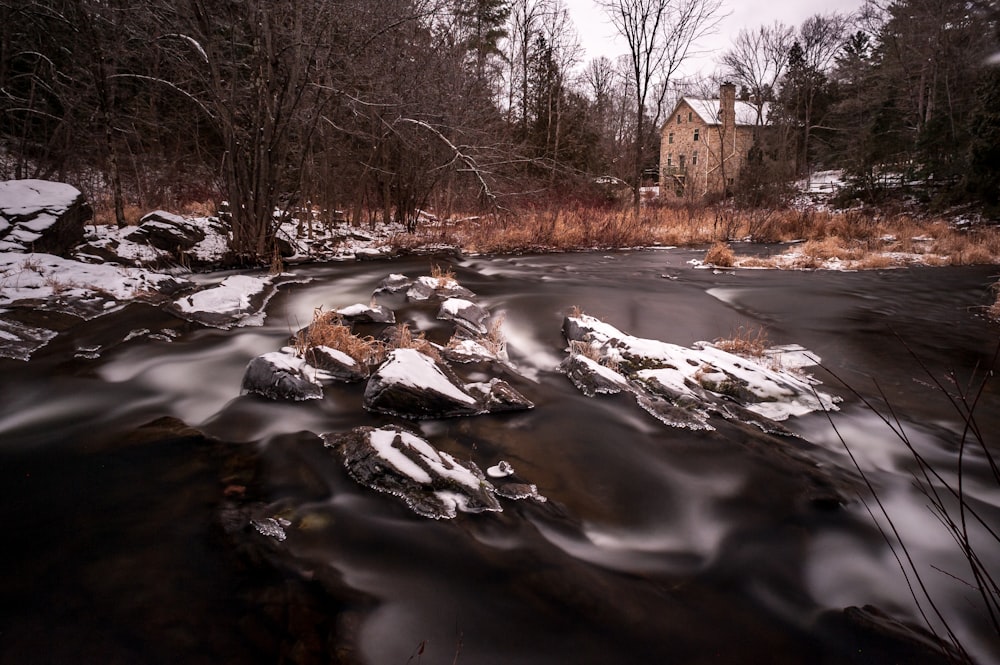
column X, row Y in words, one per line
column 699, row 157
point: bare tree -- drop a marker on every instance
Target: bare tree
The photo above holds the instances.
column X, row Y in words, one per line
column 757, row 60
column 660, row 35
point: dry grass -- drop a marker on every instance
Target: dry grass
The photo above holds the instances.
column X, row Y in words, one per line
column 993, row 311
column 747, row 341
column 445, row 277
column 401, row 337
column 494, row 340
column 854, row 236
column 328, row 329
column 593, row 353
column 721, row 255
column 104, row 213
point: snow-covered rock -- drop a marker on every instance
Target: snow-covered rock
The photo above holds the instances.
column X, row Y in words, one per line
column 337, row 365
column 41, row 216
column 166, row 231
column 683, row 386
column 470, row 318
column 361, row 313
column 497, row 396
column 19, row 340
column 412, row 385
column 428, row 287
column 431, row 482
column 591, row 377
column 398, row 462
column 394, row 283
column 236, row 301
column 282, row 376
column 474, row 351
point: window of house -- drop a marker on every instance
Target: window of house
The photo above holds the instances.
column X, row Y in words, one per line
column 678, row 118
column 670, row 137
column 689, row 116
column 694, row 158
column 680, row 161
column 696, row 134
column 670, row 158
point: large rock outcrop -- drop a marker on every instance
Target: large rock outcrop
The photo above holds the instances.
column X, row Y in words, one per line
column 41, row 216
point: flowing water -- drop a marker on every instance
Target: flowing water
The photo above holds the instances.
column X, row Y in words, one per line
column 655, row 544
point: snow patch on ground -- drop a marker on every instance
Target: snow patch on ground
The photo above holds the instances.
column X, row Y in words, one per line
column 43, row 276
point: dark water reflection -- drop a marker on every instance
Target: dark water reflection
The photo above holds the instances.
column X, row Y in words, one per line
column 655, row 545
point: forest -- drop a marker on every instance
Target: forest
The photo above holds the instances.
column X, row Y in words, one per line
column 375, row 110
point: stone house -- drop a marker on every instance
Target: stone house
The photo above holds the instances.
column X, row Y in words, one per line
column 705, row 142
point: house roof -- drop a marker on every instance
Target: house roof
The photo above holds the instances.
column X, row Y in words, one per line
column 708, row 111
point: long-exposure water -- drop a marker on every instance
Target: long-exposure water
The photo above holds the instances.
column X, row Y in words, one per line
column 655, row 544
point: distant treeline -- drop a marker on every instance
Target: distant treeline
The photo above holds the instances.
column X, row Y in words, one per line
column 380, row 108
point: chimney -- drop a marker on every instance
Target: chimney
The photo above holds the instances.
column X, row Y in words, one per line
column 727, row 108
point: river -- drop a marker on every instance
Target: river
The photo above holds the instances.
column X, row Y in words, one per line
column 654, row 544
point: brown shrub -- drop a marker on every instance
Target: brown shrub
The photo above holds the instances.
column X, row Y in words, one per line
column 720, row 254
column 328, row 329
column 993, row 311
column 401, row 337
column 747, row 341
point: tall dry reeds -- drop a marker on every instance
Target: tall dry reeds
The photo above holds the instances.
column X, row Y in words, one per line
column 864, row 238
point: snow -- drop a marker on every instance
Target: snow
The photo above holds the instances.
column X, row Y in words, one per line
column 353, row 310
column 604, row 372
column 440, row 463
column 24, row 197
column 708, row 111
column 501, row 469
column 469, row 350
column 232, row 296
column 381, row 440
column 454, row 306
column 175, row 220
column 778, row 392
column 338, row 355
column 411, row 368
column 41, row 276
column 41, row 222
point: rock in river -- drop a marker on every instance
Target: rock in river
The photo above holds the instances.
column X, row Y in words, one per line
column 413, row 385
column 281, row 376
column 431, row 482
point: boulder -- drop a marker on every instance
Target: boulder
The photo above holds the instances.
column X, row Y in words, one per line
column 413, row 385
column 234, row 301
column 468, row 351
column 428, row 287
column 360, row 313
column 41, row 216
column 281, row 376
column 398, row 462
column 336, row 365
column 672, row 379
column 591, row 377
column 166, row 231
column 470, row 318
column 394, row 283
column 498, row 396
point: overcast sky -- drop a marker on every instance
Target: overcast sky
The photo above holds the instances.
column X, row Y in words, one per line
column 598, row 37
